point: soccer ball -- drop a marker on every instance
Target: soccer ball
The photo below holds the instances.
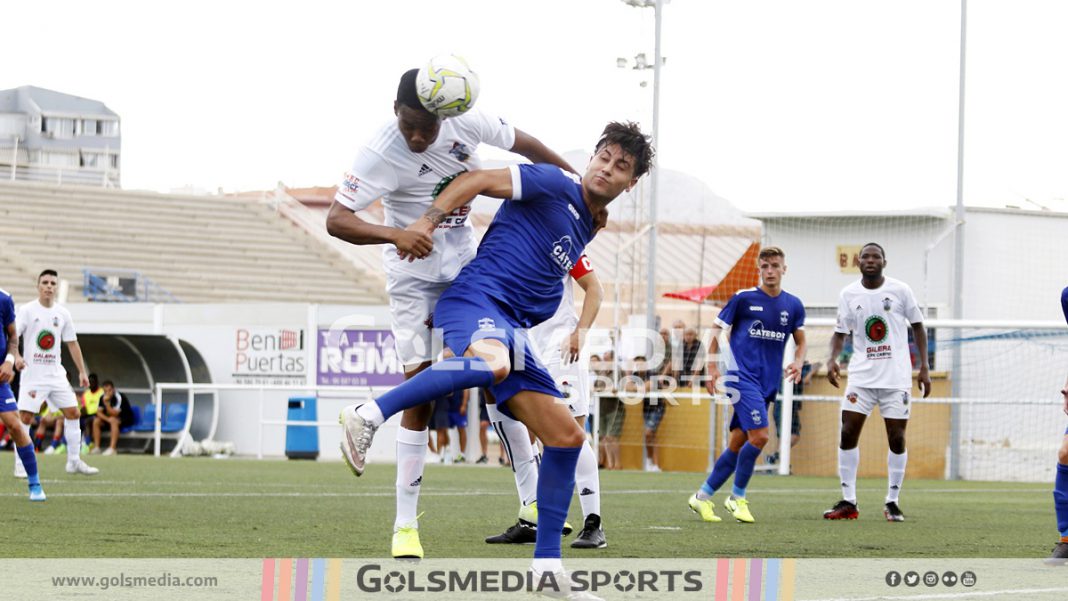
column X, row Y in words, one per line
column 446, row 86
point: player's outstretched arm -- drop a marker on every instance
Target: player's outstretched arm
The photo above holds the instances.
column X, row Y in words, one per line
column 833, row 370
column 345, row 225
column 532, row 148
column 919, row 334
column 713, row 360
column 496, row 183
column 793, row 371
column 79, row 363
column 591, row 305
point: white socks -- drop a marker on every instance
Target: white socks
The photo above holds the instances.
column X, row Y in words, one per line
column 847, row 471
column 516, row 440
column 72, row 432
column 371, row 413
column 588, row 482
column 411, row 459
column 895, row 470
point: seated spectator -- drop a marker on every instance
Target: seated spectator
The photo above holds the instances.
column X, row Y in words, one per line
column 49, row 418
column 115, row 411
column 89, row 402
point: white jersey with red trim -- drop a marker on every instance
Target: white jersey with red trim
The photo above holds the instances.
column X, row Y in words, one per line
column 405, row 181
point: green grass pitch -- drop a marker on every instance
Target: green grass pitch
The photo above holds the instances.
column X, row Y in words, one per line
column 145, row 507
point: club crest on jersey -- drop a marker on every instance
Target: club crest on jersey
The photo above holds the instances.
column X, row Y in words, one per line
column 875, row 328
column 46, row 340
column 486, row 324
column 784, row 318
column 460, row 151
column 562, row 253
column 886, row 303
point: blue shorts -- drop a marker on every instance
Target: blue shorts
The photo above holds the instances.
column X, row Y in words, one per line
column 465, row 316
column 457, row 419
column 7, row 399
column 750, row 405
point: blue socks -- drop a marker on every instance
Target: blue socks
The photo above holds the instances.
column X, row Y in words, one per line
column 1060, row 498
column 29, row 461
column 747, row 457
column 722, row 470
column 556, row 484
column 441, row 379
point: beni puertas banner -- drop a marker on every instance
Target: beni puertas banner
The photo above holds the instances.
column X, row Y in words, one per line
column 269, row 355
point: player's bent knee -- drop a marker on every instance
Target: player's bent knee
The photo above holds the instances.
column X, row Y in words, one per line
column 758, row 439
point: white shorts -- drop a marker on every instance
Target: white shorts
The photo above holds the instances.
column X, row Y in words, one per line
column 411, row 307
column 574, row 382
column 57, row 395
column 893, row 403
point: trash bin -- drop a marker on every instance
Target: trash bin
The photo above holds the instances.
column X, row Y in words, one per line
column 302, row 442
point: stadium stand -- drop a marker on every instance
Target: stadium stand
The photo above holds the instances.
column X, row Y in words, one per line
column 198, row 248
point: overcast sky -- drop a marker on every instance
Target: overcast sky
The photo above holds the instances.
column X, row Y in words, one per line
column 776, row 104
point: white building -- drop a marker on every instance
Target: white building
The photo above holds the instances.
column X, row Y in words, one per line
column 53, row 137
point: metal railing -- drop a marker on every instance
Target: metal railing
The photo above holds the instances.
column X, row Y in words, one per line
column 123, row 286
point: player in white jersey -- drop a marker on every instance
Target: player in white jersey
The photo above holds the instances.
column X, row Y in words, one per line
column 878, row 311
column 405, row 163
column 43, row 324
column 558, row 341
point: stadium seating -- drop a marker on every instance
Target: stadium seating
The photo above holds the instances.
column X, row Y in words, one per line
column 199, row 248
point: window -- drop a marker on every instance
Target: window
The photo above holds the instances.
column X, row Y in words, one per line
column 109, row 128
column 89, row 127
column 58, row 127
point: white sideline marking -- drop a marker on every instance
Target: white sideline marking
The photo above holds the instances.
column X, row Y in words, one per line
column 664, row 528
column 390, row 492
column 960, row 595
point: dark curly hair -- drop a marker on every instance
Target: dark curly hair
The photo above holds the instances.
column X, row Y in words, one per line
column 629, row 137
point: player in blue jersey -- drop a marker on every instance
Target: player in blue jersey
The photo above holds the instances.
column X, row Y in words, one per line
column 760, row 320
column 1060, row 487
column 515, row 282
column 9, row 409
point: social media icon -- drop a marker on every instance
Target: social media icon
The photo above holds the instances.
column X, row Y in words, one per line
column 967, row 578
column 949, row 579
column 930, row 578
column 893, row 578
column 912, row 579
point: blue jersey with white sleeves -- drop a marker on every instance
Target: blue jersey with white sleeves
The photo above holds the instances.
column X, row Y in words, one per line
column 760, row 325
column 7, row 317
column 531, row 245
